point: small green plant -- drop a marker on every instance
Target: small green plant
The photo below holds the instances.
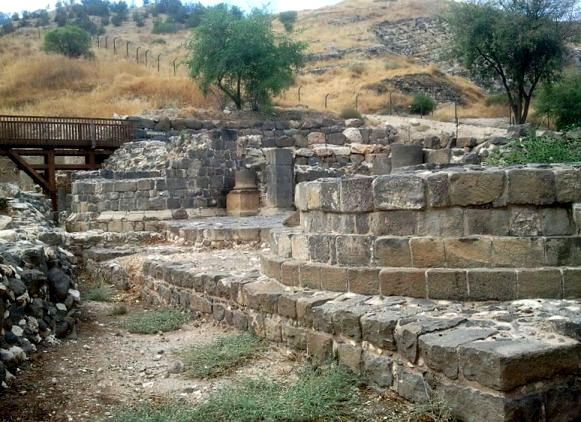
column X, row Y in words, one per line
column 436, row 409
column 288, row 19
column 543, row 149
column 159, row 41
column 350, row 113
column 119, row 309
column 99, row 293
column 422, row 105
column 323, row 394
column 70, row 41
column 223, row 355
column 151, row 322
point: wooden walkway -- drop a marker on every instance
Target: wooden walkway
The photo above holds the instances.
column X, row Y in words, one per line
column 50, row 137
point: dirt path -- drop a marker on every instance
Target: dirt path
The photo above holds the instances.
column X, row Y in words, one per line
column 107, row 367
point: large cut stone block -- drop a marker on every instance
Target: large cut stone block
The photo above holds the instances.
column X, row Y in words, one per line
column 378, row 328
column 495, row 222
column 319, row 346
column 557, row 222
column 394, row 223
column 320, row 248
column 306, row 304
column 447, row 284
column 271, row 265
column 300, row 247
column 539, row 283
column 437, row 187
column 363, row 281
column 525, row 221
column 531, row 186
column 399, row 192
column 492, row 284
column 517, row 252
column 441, row 222
column 392, row 252
column 356, row 194
column 440, row 350
column 568, row 185
column 289, row 271
column 428, row 252
column 353, row 250
column 262, row 296
column 350, row 356
column 377, row 369
column 505, row 365
column 476, row 188
column 310, row 275
column 402, row 282
column 334, row 278
column 572, row 283
column 468, row 252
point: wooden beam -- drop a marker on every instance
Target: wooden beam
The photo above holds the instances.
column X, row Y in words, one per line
column 58, row 152
column 25, row 167
column 66, row 167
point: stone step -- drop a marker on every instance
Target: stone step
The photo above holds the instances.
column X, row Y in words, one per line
column 428, row 251
column 468, row 353
column 467, row 284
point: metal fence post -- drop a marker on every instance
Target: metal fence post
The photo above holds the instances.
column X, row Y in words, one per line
column 137, row 54
column 127, row 48
column 115, row 45
column 326, row 97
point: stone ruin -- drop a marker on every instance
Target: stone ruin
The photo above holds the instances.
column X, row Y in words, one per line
column 428, row 279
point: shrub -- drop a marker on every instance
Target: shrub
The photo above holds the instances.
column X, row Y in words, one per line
column 117, row 19
column 288, row 19
column 164, row 27
column 544, row 149
column 223, row 355
column 350, row 113
column 561, row 101
column 152, row 322
column 496, row 99
column 99, row 293
column 119, row 310
column 422, row 105
column 70, row 41
column 357, row 68
column 139, row 19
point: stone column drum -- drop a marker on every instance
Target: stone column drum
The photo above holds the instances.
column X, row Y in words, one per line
column 244, row 199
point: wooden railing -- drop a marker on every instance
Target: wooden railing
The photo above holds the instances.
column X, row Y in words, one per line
column 59, row 132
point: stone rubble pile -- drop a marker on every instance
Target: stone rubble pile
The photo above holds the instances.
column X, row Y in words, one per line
column 38, row 296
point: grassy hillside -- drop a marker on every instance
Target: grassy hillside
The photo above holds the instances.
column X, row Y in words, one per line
column 347, row 59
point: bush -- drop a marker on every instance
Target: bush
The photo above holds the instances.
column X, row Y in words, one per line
column 562, row 101
column 496, row 99
column 164, row 27
column 288, row 19
column 70, row 41
column 139, row 19
column 422, row 105
column 357, row 68
column 350, row 113
column 544, row 149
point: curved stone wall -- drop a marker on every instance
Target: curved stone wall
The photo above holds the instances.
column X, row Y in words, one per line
column 460, row 233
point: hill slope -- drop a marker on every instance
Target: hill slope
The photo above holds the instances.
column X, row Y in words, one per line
column 357, row 48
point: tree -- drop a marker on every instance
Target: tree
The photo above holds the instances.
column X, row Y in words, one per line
column 243, row 57
column 70, row 41
column 422, row 105
column 561, row 101
column 60, row 16
column 521, row 43
column 288, row 19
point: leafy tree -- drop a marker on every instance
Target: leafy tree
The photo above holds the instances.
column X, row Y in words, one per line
column 197, row 12
column 561, row 101
column 164, row 27
column 4, row 18
column 7, row 28
column 61, row 17
column 138, row 18
column 70, row 41
column 243, row 57
column 519, row 42
column 96, row 7
column 288, row 19
column 422, row 105
column 43, row 19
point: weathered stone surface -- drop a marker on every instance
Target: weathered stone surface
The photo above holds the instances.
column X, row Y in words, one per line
column 310, row 275
column 437, row 187
column 494, row 222
column 447, row 284
column 571, row 283
column 439, row 350
column 353, row 250
column 539, row 283
column 402, row 282
column 353, row 135
column 377, row 369
column 410, row 384
column 568, row 185
column 427, row 252
column 517, row 252
column 525, row 221
column 557, row 222
column 406, row 334
column 350, row 356
column 399, row 192
column 319, row 346
column 491, row 284
column 363, row 281
column 334, row 278
column 531, row 186
column 476, row 188
column 441, row 222
column 392, row 252
column 378, row 328
column 262, row 296
column 505, row 365
column 356, row 194
column 289, row 272
column 468, row 252
column 295, row 337
column 393, row 223
column 314, row 138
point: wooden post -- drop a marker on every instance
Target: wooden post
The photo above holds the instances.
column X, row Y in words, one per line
column 158, row 57
column 127, row 48
column 299, row 92
column 51, row 178
column 456, row 118
column 326, row 98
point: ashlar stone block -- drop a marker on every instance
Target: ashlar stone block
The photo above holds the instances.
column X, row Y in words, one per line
column 476, row 188
column 399, row 192
column 531, row 186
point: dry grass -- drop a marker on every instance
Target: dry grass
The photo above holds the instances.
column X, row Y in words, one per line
column 38, row 84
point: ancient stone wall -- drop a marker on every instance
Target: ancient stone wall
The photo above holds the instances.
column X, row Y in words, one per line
column 459, row 233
